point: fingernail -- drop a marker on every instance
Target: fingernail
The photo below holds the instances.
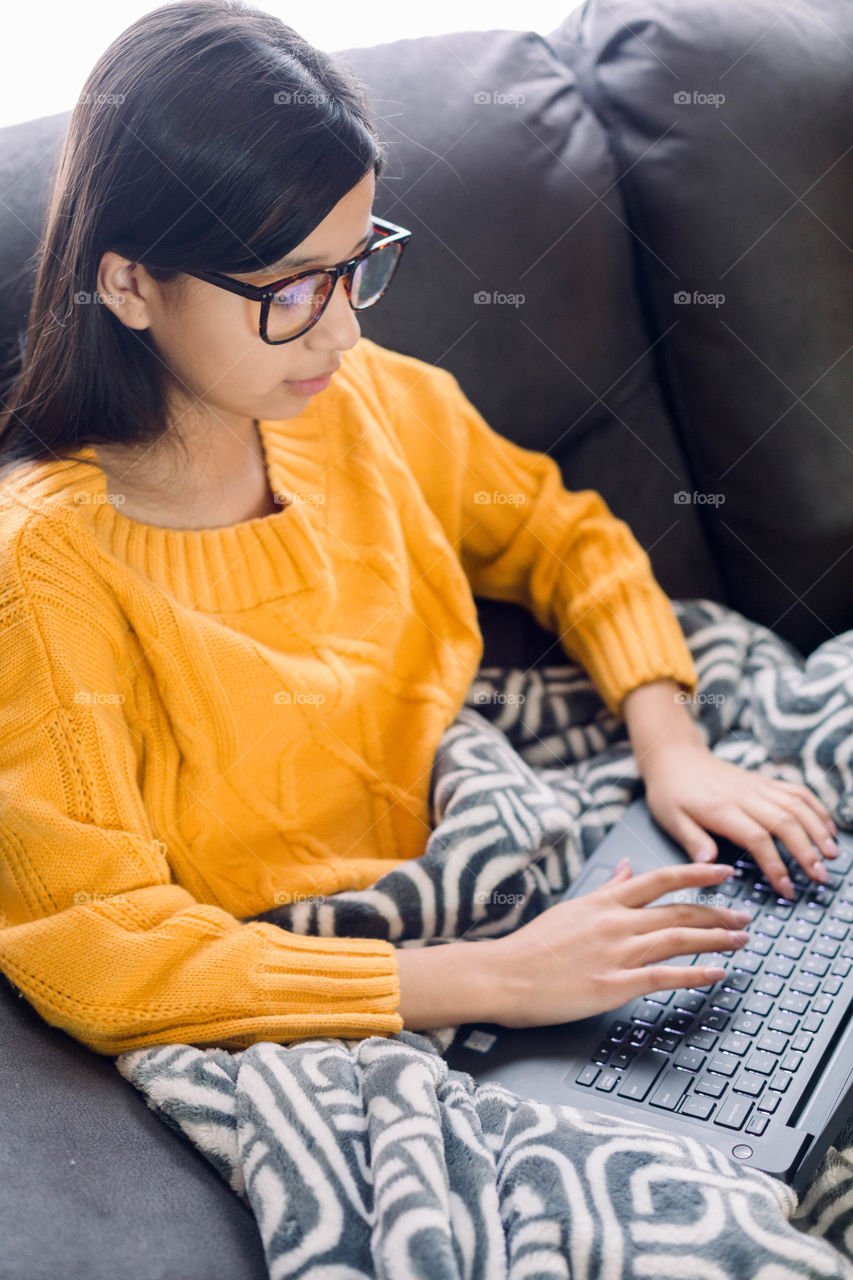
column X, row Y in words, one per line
column 620, row 867
column 820, row 872
column 832, row 826
column 705, row 854
column 786, row 887
column 739, row 935
column 742, row 917
column 830, row 848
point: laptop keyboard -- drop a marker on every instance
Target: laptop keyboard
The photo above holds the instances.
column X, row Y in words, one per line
column 728, row 1053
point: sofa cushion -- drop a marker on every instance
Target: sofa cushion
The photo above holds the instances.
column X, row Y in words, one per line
column 733, row 136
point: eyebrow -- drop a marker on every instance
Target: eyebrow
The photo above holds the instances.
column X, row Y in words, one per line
column 315, row 259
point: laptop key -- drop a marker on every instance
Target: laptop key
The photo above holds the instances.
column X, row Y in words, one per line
column 690, row 1000
column 713, row 1086
column 646, row 1011
column 748, row 1024
column 769, row 1103
column 609, row 1080
column 758, row 1004
column 621, row 1059
column 642, row 1075
column 749, row 1082
column 714, row 1021
column 724, row 1064
column 689, row 1059
column 728, row 1000
column 769, row 985
column 773, row 1042
column 618, row 1031
column 671, row 1090
column 784, row 1022
column 763, row 1063
column 700, row 1108
column 665, row 1042
column 588, row 1075
column 757, row 1125
column 704, row 1040
column 795, row 1002
column 733, row 1112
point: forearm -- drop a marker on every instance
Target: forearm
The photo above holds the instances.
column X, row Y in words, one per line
column 446, row 985
column 657, row 719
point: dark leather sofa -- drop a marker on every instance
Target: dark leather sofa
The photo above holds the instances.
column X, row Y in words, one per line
column 668, row 185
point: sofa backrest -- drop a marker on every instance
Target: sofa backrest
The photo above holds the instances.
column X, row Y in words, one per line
column 731, row 124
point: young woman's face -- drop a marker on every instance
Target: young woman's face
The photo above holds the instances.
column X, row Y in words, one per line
column 211, row 340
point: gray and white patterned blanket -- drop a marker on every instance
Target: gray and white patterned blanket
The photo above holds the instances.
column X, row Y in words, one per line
column 364, row 1158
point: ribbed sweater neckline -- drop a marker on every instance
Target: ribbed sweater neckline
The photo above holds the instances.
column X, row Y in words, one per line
column 229, row 568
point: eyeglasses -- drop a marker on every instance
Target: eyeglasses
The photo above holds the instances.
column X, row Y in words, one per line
column 290, row 306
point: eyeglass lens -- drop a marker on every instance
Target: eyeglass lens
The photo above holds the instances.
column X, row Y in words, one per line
column 294, row 307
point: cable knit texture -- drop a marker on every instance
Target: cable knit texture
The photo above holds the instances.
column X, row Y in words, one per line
column 201, row 723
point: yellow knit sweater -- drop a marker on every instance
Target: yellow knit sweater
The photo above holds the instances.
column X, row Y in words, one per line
column 198, row 724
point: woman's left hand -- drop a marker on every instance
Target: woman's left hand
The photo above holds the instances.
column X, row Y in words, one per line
column 690, row 790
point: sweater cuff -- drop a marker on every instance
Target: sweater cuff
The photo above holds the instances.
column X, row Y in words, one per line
column 631, row 639
column 348, row 987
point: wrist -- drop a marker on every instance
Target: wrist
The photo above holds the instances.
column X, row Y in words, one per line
column 659, row 721
column 460, row 981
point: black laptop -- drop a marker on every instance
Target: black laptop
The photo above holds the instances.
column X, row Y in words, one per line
column 759, row 1064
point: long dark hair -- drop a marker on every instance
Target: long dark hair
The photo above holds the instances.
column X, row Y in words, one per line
column 209, row 135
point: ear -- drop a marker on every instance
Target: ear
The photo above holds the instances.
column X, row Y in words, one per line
column 124, row 287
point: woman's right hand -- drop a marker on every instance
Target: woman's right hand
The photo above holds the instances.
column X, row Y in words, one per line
column 596, row 952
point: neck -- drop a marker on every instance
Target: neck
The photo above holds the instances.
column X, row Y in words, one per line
column 223, row 480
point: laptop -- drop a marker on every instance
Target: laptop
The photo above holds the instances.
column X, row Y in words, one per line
column 759, row 1064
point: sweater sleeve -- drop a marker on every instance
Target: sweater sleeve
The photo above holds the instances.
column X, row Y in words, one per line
column 523, row 537
column 94, row 930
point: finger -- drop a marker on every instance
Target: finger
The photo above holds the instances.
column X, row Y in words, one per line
column 663, row 944
column 756, row 840
column 695, row 841
column 667, row 977
column 651, row 885
column 698, row 915
column 787, row 827
column 814, row 823
column 808, row 796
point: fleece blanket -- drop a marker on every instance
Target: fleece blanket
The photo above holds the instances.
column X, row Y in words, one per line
column 370, row 1157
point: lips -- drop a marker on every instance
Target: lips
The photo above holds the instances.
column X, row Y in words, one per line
column 327, row 373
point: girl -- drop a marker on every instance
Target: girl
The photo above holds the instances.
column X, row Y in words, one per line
column 239, row 552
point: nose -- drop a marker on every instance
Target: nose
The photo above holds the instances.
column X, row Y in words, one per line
column 337, row 327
